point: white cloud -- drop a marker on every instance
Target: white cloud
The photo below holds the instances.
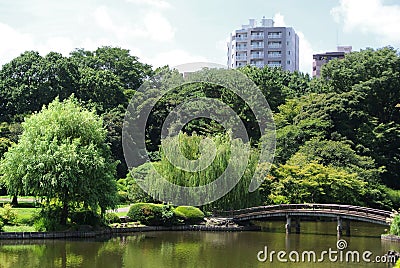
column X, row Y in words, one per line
column 279, row 20
column 158, row 27
column 152, row 3
column 173, row 58
column 154, row 26
column 103, row 18
column 306, row 54
column 61, row 45
column 370, row 17
column 13, row 43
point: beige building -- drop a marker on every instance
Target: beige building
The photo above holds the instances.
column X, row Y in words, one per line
column 320, row 59
column 264, row 44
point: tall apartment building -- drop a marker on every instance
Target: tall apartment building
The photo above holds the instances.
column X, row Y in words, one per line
column 320, row 59
column 264, row 44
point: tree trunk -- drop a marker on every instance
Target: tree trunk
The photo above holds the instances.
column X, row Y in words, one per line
column 14, row 201
column 64, row 213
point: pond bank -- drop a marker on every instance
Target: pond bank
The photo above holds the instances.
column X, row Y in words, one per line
column 391, row 238
column 111, row 231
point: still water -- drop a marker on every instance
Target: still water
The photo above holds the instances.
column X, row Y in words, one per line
column 199, row 249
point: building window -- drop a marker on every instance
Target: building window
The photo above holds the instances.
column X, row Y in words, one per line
column 287, row 43
column 288, row 52
column 288, row 62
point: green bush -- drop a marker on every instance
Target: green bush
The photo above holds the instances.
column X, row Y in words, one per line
column 48, row 219
column 111, row 217
column 395, row 225
column 85, row 217
column 190, row 215
column 393, row 196
column 8, row 215
column 152, row 214
column 1, row 224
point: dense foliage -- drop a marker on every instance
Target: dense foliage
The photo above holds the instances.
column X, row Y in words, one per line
column 189, row 215
column 165, row 215
column 151, row 214
column 395, row 225
column 62, row 157
column 338, row 136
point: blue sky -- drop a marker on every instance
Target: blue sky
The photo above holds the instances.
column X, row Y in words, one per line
column 174, row 32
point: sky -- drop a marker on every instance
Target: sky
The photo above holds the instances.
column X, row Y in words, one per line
column 172, row 32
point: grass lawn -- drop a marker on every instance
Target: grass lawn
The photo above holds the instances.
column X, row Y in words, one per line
column 120, row 214
column 19, row 197
column 18, row 228
column 24, row 214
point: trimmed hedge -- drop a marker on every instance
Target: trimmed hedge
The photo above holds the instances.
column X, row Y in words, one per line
column 152, row 214
column 85, row 217
column 111, row 217
column 190, row 215
column 164, row 215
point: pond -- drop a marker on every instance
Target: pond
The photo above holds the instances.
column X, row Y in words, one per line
column 204, row 249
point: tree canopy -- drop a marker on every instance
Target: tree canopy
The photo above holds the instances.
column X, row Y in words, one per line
column 342, row 128
column 62, row 156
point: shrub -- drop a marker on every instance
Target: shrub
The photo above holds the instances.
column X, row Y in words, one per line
column 111, row 217
column 123, row 197
column 1, row 224
column 85, row 217
column 395, row 225
column 190, row 215
column 151, row 214
column 8, row 215
column 48, row 219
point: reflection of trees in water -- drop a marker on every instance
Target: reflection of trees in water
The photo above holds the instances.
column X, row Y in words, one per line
column 61, row 253
column 172, row 249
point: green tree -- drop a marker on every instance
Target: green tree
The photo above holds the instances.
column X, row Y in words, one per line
column 315, row 183
column 62, row 156
column 30, row 81
column 130, row 72
column 237, row 197
column 372, row 78
column 277, row 85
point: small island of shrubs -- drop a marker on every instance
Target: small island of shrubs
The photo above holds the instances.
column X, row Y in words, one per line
column 164, row 215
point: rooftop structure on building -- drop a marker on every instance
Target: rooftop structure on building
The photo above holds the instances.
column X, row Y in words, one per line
column 320, row 59
column 264, row 44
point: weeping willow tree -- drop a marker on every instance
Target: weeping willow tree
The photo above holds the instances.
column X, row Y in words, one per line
column 179, row 166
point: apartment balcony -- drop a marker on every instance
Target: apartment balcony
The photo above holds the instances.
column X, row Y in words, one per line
column 241, row 58
column 272, row 36
column 274, row 65
column 259, row 65
column 256, row 56
column 274, row 55
column 257, row 37
column 241, row 48
column 257, row 46
column 275, row 45
column 241, row 38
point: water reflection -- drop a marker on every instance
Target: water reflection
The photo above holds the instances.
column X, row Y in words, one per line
column 191, row 249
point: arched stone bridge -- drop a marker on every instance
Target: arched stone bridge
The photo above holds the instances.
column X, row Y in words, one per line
column 297, row 211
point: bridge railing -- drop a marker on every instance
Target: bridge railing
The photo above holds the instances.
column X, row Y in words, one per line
column 298, row 207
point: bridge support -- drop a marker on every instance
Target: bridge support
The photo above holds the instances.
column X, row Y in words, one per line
column 297, row 225
column 347, row 227
column 339, row 226
column 288, row 225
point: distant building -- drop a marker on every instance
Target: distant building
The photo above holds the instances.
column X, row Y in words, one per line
column 321, row 59
column 264, row 44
